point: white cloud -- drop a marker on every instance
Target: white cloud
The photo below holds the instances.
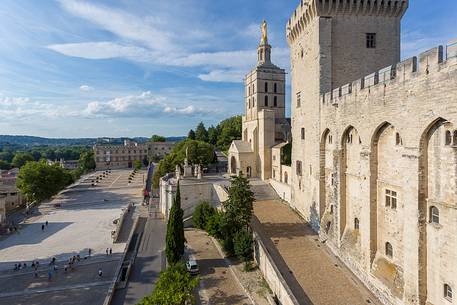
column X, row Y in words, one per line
column 13, row 101
column 102, row 50
column 143, row 105
column 85, row 88
column 21, row 108
column 159, row 40
column 231, row 76
column 121, row 23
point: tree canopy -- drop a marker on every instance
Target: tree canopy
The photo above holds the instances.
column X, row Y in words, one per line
column 21, row 158
column 157, row 138
column 174, row 287
column 221, row 136
column 191, row 135
column 39, row 181
column 198, row 153
column 87, row 160
column 201, row 134
column 175, row 239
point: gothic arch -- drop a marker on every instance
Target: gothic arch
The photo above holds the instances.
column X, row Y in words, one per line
column 346, row 140
column 374, row 188
column 322, row 178
column 423, row 194
column 233, row 165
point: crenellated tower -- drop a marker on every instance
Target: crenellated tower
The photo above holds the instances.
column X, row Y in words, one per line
column 343, row 40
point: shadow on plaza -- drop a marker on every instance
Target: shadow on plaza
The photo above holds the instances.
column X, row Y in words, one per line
column 95, row 200
column 96, row 259
column 32, row 233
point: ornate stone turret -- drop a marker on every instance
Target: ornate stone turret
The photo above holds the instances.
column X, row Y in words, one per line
column 264, row 49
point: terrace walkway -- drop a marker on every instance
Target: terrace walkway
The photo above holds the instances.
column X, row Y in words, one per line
column 313, row 274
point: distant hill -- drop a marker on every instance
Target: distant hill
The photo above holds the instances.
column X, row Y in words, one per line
column 40, row 141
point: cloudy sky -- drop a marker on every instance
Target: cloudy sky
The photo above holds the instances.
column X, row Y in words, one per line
column 80, row 68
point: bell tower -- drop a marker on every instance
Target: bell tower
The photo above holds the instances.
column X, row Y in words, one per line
column 264, row 49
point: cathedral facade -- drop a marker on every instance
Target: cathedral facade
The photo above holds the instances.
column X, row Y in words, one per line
column 374, row 150
column 264, row 124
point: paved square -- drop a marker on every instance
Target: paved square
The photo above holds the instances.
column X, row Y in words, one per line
column 79, row 218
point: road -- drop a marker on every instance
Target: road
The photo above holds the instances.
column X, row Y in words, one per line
column 149, row 262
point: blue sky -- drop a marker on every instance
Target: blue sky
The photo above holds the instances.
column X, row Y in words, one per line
column 74, row 68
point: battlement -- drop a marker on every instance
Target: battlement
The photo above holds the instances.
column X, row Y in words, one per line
column 430, row 61
column 310, row 9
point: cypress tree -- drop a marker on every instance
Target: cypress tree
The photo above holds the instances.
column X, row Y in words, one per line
column 175, row 231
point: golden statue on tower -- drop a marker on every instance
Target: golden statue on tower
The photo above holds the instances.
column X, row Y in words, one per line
column 264, row 39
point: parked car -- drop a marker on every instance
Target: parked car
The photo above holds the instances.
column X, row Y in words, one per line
column 192, row 267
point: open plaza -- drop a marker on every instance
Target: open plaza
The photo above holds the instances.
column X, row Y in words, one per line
column 78, row 219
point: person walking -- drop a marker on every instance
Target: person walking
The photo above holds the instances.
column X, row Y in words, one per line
column 107, row 250
column 42, row 227
column 100, row 273
column 110, row 251
column 90, row 251
column 47, row 223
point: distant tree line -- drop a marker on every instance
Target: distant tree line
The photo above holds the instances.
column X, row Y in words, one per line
column 17, row 155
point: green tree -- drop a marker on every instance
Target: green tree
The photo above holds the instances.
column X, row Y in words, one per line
column 212, row 135
column 39, row 181
column 87, row 160
column 6, row 155
column 238, row 207
column 191, row 135
column 202, row 213
column 21, row 158
column 4, row 165
column 157, row 138
column 198, row 153
column 229, row 130
column 201, row 134
column 242, row 243
column 175, row 231
column 174, row 287
column 137, row 164
column 213, row 225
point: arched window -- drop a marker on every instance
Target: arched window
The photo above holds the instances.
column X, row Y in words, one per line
column 434, row 215
column 389, row 250
column 448, row 139
column 397, row 139
column 331, row 209
column 249, row 103
column 327, row 227
column 266, row 100
column 447, row 292
column 253, row 102
column 275, row 101
column 275, row 88
column 454, row 138
column 356, row 224
column 266, row 87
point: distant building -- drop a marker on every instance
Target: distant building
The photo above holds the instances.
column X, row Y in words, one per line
column 65, row 164
column 123, row 156
column 10, row 197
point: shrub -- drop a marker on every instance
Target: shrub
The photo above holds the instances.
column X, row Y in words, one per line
column 213, row 225
column 242, row 244
column 203, row 212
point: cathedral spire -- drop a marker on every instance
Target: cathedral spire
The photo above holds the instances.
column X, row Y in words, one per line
column 264, row 49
